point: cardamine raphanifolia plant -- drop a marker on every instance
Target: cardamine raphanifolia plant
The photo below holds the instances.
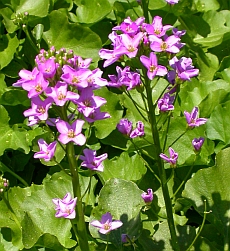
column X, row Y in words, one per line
column 61, row 89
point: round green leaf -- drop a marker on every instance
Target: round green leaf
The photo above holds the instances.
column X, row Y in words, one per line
column 123, row 200
column 81, row 40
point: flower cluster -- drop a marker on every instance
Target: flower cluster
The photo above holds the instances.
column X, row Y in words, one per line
column 126, row 128
column 60, row 77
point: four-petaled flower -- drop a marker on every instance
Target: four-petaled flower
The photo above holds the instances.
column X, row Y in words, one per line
column 193, row 120
column 138, row 131
column 66, row 207
column 147, row 197
column 125, row 127
column 172, row 159
column 71, row 132
column 106, row 224
column 91, row 161
column 46, row 151
column 197, row 143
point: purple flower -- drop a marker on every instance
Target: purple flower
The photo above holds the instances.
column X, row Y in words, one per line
column 91, row 161
column 166, row 103
column 39, row 108
column 152, row 66
column 26, row 76
column 35, row 86
column 75, row 77
column 147, row 197
column 96, row 114
column 131, row 44
column 87, row 102
column 48, row 68
column 172, row 159
column 193, row 120
column 157, row 28
column 172, row 1
column 71, row 132
column 184, row 69
column 197, row 143
column 169, row 45
column 65, row 207
column 125, row 127
column 46, row 151
column 138, row 131
column 106, row 224
column 60, row 94
column 111, row 56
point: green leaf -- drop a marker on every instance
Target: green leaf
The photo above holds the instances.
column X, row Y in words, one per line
column 93, row 11
column 216, row 21
column 161, row 238
column 206, row 5
column 36, row 8
column 218, row 125
column 6, row 14
column 212, row 184
column 157, row 4
column 123, row 200
column 81, row 40
column 13, row 138
column 125, row 167
column 8, row 45
column 14, row 97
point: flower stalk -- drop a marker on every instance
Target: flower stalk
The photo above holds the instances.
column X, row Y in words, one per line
column 161, row 170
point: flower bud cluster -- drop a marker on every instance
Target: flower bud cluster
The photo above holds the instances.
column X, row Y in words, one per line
column 21, row 18
column 4, row 184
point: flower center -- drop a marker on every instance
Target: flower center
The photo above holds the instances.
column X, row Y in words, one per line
column 70, row 133
column 107, row 226
column 38, row 87
column 131, row 48
column 61, row 96
column 152, row 68
column 41, row 109
column 75, row 80
column 164, row 46
column 87, row 103
column 157, row 31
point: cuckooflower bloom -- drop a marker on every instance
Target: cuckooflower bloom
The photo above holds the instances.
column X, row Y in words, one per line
column 125, row 127
column 39, row 109
column 71, row 132
column 26, row 76
column 48, row 68
column 169, row 45
column 172, row 159
column 66, row 207
column 166, row 103
column 46, row 151
column 138, row 131
column 172, row 1
column 96, row 114
column 193, row 120
column 197, row 143
column 106, row 224
column 147, row 197
column 91, row 161
column 157, row 28
column 60, row 94
column 152, row 66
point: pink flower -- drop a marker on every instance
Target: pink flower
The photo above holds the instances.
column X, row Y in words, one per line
column 71, row 132
column 46, row 151
column 106, row 224
column 66, row 207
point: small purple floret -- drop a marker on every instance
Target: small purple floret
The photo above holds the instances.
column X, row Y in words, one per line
column 198, row 143
column 46, row 151
column 172, row 159
column 147, row 197
column 193, row 120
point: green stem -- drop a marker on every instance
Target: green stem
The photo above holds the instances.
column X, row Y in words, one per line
column 81, row 228
column 145, row 4
column 161, row 170
column 201, row 227
column 185, row 179
column 7, row 169
column 30, row 39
